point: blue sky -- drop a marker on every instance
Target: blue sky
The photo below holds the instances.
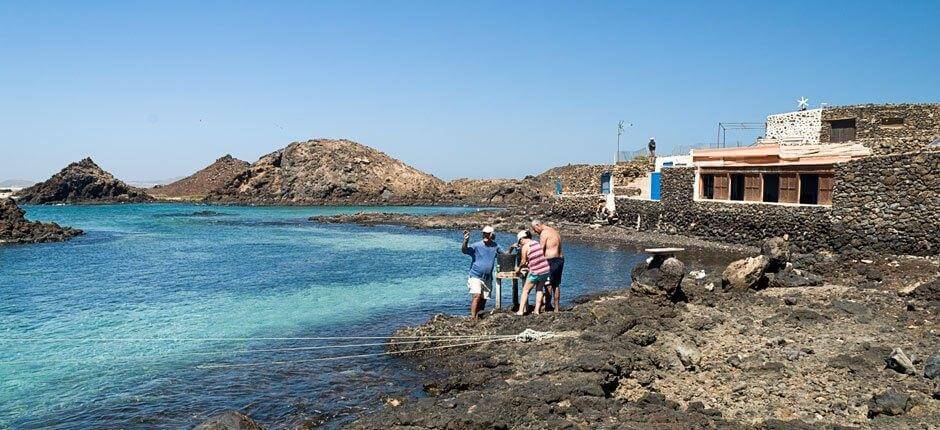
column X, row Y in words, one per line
column 155, row 90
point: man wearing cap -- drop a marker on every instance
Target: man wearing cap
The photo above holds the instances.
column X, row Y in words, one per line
column 482, row 259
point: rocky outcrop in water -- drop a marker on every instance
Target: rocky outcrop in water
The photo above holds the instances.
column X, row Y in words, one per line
column 82, row 182
column 15, row 229
column 326, row 171
column 229, row 420
column 199, row 184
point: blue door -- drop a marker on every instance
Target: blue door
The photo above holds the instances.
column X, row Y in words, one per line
column 605, row 183
column 557, row 187
column 655, row 186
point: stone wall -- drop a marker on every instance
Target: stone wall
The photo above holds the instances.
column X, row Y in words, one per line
column 882, row 204
column 873, row 127
column 800, row 127
column 888, row 204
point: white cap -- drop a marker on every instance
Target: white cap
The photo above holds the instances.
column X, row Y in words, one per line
column 488, row 230
column 521, row 234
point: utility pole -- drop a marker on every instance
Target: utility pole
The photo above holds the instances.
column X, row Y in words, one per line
column 620, row 128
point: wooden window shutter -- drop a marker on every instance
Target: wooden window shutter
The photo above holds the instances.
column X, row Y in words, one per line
column 789, row 188
column 752, row 187
column 721, row 187
column 825, row 189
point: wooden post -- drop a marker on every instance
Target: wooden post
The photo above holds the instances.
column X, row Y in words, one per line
column 499, row 293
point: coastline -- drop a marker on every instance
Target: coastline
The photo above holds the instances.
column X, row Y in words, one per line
column 803, row 357
column 795, row 358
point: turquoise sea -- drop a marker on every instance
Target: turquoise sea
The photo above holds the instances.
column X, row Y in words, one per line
column 120, row 328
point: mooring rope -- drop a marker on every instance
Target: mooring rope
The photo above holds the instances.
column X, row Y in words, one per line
column 230, row 339
column 345, row 357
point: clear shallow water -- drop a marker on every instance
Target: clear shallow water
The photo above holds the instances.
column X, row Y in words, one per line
column 159, row 271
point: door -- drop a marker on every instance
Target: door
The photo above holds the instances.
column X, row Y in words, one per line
column 605, row 183
column 655, row 185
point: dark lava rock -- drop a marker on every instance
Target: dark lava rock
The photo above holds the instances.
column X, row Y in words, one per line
column 792, row 278
column 889, row 403
column 777, row 249
column 15, row 229
column 229, row 420
column 82, row 182
column 929, row 291
column 932, row 368
column 658, row 277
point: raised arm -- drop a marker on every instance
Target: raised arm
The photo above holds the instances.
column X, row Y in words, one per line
column 466, row 240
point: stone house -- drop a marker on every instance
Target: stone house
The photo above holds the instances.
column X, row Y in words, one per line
column 857, row 179
column 795, row 162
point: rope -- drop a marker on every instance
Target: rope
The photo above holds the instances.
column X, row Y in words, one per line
column 529, row 335
column 237, row 351
column 345, row 357
column 233, row 339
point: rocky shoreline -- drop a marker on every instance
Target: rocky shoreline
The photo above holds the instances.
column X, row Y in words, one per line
column 15, row 229
column 861, row 350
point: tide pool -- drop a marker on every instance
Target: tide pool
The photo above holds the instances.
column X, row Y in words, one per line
column 165, row 278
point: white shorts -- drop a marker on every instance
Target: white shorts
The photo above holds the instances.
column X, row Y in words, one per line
column 479, row 286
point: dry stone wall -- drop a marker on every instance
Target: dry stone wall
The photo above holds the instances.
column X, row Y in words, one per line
column 876, row 126
column 888, row 204
column 882, row 204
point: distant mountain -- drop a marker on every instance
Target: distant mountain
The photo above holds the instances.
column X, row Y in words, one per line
column 15, row 183
column 199, row 184
column 82, row 182
column 327, row 171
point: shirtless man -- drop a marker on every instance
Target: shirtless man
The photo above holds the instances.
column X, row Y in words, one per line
column 551, row 244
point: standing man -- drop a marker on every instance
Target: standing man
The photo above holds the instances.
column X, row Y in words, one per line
column 482, row 259
column 652, row 147
column 533, row 259
column 550, row 241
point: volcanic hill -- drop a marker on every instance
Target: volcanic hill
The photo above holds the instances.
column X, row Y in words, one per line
column 331, row 172
column 199, row 184
column 82, row 182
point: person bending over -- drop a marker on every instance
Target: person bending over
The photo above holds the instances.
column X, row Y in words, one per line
column 482, row 259
column 534, row 259
column 550, row 240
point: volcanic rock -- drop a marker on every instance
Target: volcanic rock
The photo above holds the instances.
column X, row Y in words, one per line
column 229, row 420
column 326, row 171
column 792, row 278
column 745, row 273
column 14, row 228
column 889, row 403
column 82, row 182
column 658, row 276
column 199, row 184
column 899, row 362
column 932, row 368
column 777, row 249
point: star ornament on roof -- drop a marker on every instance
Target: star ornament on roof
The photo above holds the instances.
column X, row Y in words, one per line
column 803, row 103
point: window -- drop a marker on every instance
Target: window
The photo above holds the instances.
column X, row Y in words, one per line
column 771, row 188
column 708, row 186
column 809, row 189
column 892, row 122
column 737, row 186
column 843, row 130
